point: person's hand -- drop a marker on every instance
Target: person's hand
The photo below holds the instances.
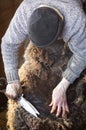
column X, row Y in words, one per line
column 13, row 90
column 59, row 101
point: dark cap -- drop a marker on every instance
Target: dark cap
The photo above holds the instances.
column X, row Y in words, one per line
column 45, row 26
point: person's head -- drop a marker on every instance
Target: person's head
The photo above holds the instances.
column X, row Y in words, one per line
column 45, row 26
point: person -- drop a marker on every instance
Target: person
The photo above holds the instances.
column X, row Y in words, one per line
column 44, row 21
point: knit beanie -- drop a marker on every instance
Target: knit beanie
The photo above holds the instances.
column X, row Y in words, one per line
column 44, row 26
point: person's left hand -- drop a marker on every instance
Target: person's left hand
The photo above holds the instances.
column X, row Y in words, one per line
column 59, row 101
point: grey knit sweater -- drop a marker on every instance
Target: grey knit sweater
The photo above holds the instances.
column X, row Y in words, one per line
column 74, row 33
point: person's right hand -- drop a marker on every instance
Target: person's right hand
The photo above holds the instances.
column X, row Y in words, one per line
column 13, row 90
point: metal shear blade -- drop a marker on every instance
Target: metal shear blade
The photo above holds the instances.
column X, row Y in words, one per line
column 28, row 106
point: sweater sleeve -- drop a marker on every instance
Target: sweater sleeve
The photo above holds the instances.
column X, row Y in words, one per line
column 11, row 41
column 76, row 43
column 75, row 66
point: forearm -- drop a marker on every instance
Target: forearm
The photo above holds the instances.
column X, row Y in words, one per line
column 74, row 68
column 10, row 60
column 63, row 85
